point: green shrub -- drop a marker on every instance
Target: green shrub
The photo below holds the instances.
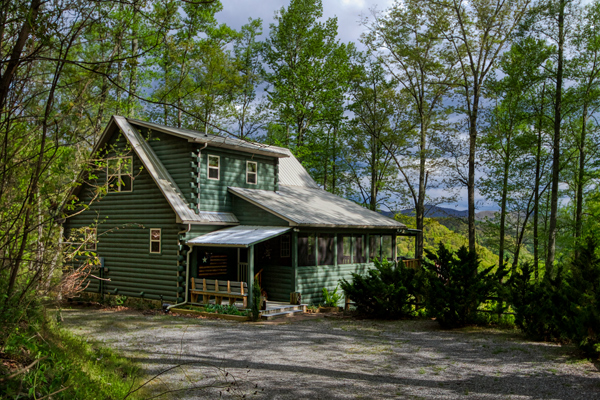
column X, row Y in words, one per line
column 332, row 299
column 538, row 305
column 563, row 307
column 456, row 286
column 228, row 309
column 386, row 291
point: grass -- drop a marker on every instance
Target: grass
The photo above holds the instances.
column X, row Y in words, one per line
column 69, row 367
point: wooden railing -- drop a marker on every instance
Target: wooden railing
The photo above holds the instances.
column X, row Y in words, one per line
column 414, row 263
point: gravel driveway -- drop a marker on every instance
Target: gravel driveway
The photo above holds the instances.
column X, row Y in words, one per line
column 318, row 357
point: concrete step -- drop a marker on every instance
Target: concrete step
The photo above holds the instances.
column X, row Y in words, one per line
column 282, row 314
column 283, row 308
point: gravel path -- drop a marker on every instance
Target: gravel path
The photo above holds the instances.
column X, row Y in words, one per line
column 317, row 357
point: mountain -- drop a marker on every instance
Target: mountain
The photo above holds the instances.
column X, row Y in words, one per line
column 442, row 212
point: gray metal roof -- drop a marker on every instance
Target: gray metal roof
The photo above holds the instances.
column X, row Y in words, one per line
column 304, row 206
column 238, row 236
column 165, row 182
column 292, row 173
column 214, row 140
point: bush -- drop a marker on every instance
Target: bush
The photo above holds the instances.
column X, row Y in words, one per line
column 455, row 286
column 386, row 291
column 538, row 305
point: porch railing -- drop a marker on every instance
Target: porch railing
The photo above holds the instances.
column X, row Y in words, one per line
column 415, row 263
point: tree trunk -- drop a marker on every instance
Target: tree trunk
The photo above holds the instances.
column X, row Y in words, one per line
column 556, row 143
column 581, row 176
column 536, row 201
column 471, row 162
column 503, row 202
column 420, row 208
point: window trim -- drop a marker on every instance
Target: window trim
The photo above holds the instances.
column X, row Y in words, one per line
column 159, row 241
column 118, row 175
column 218, row 167
column 248, row 172
column 94, row 239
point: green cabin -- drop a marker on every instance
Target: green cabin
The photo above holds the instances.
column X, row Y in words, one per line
column 178, row 204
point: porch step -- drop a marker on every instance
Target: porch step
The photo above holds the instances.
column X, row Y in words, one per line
column 271, row 309
column 282, row 314
column 281, row 311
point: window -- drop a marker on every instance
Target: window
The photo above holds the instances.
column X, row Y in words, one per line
column 374, row 247
column 306, row 250
column 213, row 167
column 285, row 246
column 326, row 249
column 344, row 249
column 360, row 255
column 90, row 239
column 119, row 171
column 251, row 172
column 155, row 240
column 387, row 247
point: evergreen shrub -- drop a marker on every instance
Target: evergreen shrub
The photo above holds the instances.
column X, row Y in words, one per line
column 386, row 291
column 456, row 286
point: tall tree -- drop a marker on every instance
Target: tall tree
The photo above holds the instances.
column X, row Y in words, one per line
column 477, row 33
column 408, row 40
column 307, row 70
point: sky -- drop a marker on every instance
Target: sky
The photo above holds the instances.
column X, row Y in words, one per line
column 350, row 13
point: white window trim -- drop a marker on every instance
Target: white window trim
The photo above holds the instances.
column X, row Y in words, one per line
column 91, row 239
column 153, row 241
column 248, row 173
column 118, row 176
column 218, row 168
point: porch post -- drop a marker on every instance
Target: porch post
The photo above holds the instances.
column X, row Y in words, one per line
column 368, row 255
column 417, row 242
column 250, row 275
column 394, row 247
column 335, row 249
column 294, row 261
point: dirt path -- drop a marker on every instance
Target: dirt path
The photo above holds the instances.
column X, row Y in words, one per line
column 332, row 358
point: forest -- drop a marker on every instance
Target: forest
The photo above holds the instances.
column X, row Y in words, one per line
column 496, row 98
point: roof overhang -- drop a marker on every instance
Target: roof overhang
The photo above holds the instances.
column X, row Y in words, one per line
column 238, row 236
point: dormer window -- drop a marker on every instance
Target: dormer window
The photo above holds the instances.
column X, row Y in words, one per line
column 213, row 167
column 251, row 172
column 119, row 171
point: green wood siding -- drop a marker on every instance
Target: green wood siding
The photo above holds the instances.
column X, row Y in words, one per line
column 213, row 193
column 312, row 280
column 249, row 214
column 176, row 155
column 123, row 223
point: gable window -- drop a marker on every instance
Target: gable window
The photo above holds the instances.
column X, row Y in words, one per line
column 155, row 240
column 251, row 172
column 119, row 171
column 285, row 246
column 90, row 239
column 214, row 163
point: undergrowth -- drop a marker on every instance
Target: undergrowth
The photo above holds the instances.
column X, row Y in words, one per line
column 68, row 367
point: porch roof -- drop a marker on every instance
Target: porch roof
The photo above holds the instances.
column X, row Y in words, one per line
column 238, row 236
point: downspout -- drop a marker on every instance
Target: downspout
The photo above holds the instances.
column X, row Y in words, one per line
column 187, row 274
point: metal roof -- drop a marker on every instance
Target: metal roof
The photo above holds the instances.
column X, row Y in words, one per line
column 214, row 140
column 292, row 173
column 165, row 182
column 304, row 206
column 238, row 236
